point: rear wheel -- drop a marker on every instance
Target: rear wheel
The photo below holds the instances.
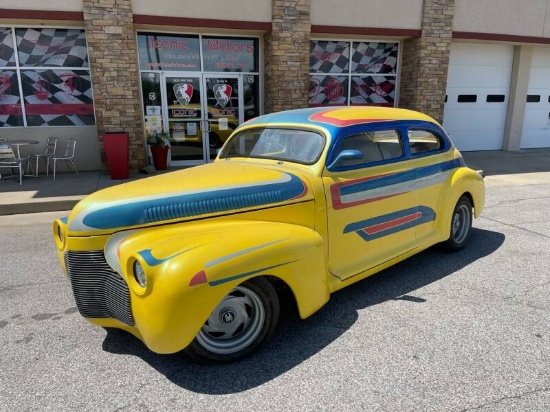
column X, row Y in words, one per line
column 241, row 323
column 461, row 225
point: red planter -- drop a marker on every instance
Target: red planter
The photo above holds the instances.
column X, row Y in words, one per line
column 160, row 157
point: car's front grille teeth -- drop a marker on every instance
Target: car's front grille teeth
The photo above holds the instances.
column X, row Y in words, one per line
column 98, row 290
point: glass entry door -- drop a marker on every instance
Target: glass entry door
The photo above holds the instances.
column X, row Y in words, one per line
column 223, row 106
column 200, row 112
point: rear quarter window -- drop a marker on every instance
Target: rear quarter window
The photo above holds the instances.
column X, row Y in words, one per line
column 424, row 141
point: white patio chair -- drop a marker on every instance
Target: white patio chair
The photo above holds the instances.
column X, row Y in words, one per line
column 51, row 145
column 67, row 157
column 9, row 160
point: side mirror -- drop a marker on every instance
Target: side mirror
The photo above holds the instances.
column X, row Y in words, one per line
column 345, row 155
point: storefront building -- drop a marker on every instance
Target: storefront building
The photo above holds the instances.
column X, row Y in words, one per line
column 82, row 68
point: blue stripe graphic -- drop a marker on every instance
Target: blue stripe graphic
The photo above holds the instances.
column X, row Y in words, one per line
column 401, row 177
column 193, row 204
column 427, row 215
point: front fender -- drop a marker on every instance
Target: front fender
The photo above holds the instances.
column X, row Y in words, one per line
column 190, row 268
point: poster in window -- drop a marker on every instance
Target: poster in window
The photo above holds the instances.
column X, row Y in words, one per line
column 52, row 47
column 329, row 56
column 373, row 57
column 7, row 53
column 373, row 90
column 11, row 113
column 328, row 91
column 58, row 97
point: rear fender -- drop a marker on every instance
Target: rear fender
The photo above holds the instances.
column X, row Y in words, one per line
column 462, row 180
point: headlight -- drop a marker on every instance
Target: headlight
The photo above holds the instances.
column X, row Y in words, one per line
column 139, row 274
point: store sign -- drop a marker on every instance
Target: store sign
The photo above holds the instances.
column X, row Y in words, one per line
column 168, row 52
column 224, row 54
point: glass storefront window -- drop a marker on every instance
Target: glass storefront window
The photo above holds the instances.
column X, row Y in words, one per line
column 355, row 73
column 251, row 86
column 52, row 47
column 52, row 73
column 329, row 56
column 226, row 54
column 11, row 113
column 57, row 97
column 7, row 51
column 169, row 52
column 328, row 91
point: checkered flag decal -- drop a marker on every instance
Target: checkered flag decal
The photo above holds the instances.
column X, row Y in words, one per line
column 328, row 90
column 58, row 97
column 10, row 102
column 7, row 54
column 374, row 58
column 329, row 57
column 373, row 90
column 52, row 47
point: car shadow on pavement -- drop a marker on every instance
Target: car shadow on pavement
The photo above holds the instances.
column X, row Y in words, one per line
column 296, row 340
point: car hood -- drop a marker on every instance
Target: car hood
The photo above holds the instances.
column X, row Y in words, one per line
column 208, row 190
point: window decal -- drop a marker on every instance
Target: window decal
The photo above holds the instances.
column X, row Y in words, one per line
column 226, row 54
column 11, row 113
column 373, row 90
column 374, row 58
column 52, row 47
column 57, row 97
column 328, row 90
column 7, row 53
column 329, row 56
column 168, row 52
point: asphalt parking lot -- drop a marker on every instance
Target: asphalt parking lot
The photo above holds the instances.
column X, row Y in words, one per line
column 468, row 331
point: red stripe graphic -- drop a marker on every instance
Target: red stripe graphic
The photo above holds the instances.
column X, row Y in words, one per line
column 371, row 230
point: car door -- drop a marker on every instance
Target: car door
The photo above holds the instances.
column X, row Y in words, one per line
column 372, row 209
column 428, row 153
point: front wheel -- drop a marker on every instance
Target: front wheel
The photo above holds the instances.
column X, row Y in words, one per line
column 461, row 225
column 241, row 323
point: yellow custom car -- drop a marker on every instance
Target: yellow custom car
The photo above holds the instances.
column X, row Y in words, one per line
column 308, row 200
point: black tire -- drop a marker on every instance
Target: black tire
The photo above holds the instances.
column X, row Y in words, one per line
column 242, row 322
column 461, row 225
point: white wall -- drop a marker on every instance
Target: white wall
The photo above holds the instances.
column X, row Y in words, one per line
column 394, row 14
column 64, row 5
column 512, row 17
column 244, row 10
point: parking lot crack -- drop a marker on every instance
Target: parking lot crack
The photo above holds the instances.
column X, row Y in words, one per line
column 505, row 398
column 518, row 227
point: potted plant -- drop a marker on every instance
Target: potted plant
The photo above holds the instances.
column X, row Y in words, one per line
column 159, row 143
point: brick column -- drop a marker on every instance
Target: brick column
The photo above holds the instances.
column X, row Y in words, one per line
column 287, row 56
column 112, row 51
column 426, row 60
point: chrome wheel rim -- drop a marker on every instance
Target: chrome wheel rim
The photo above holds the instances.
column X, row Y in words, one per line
column 461, row 223
column 234, row 324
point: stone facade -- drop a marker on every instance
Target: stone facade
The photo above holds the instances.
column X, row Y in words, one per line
column 425, row 60
column 286, row 56
column 112, row 51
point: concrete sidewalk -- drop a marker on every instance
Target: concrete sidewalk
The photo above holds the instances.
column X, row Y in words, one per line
column 46, row 195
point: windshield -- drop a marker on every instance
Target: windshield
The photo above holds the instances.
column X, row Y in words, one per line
column 290, row 145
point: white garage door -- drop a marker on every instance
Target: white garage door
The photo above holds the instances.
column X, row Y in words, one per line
column 536, row 123
column 478, row 87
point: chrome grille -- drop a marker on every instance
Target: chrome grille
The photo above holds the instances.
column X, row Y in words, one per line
column 98, row 290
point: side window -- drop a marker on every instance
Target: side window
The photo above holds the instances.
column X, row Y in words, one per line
column 423, row 141
column 374, row 145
